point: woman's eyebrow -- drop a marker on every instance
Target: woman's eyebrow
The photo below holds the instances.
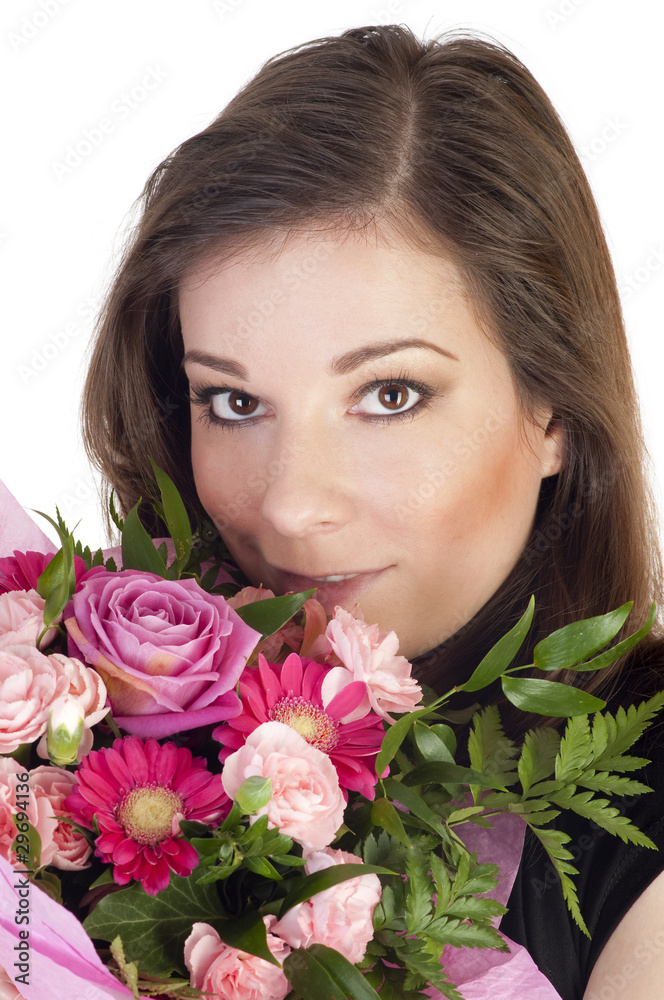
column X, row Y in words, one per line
column 224, row 365
column 341, row 365
column 348, row 362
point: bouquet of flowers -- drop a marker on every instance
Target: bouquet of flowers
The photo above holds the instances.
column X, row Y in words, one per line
column 235, row 797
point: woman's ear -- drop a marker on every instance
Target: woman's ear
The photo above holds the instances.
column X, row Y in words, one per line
column 552, row 447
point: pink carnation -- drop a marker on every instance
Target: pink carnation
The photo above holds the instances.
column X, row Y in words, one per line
column 22, row 619
column 39, row 812
column 89, row 690
column 72, row 850
column 307, row 803
column 371, row 656
column 340, row 917
column 29, row 684
column 225, row 973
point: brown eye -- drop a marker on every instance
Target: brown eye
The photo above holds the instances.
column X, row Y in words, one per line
column 393, row 397
column 241, row 403
column 233, row 405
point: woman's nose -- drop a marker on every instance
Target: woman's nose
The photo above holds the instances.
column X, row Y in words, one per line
column 309, row 484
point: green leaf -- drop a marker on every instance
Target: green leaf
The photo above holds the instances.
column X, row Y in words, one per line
column 499, row 657
column 579, row 640
column 429, row 744
column 115, row 517
column 248, row 934
column 613, row 654
column 554, row 842
column 308, row 886
column 310, row 979
column 384, row 814
column 57, row 583
column 612, row 735
column 538, row 755
column 155, row 927
column 443, row 773
column 600, row 811
column 419, row 901
column 489, row 750
column 394, row 737
column 531, row 694
column 351, row 981
column 175, row 515
column 261, row 866
column 415, row 804
column 138, row 549
column 268, row 616
column 575, row 752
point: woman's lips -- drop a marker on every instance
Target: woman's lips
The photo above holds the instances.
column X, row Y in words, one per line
column 344, row 592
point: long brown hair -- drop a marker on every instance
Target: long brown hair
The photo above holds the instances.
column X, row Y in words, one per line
column 453, row 144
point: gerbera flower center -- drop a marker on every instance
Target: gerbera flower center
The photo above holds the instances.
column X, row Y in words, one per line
column 147, row 813
column 315, row 725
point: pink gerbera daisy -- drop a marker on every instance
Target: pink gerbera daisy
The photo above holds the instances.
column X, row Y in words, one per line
column 295, row 693
column 138, row 791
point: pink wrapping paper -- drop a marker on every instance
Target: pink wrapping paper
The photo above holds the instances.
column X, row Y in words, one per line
column 484, row 973
column 63, row 962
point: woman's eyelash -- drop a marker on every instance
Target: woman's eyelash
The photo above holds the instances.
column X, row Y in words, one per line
column 202, row 397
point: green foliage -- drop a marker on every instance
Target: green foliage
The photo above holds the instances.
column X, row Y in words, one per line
column 175, row 517
column 268, row 616
column 57, row 582
column 321, row 973
column 138, row 549
column 570, row 645
column 490, row 752
column 155, row 927
column 500, row 656
column 531, row 694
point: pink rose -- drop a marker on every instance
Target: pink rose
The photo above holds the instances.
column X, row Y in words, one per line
column 29, row 684
column 371, row 656
column 340, row 917
column 307, row 803
column 22, row 619
column 7, row 989
column 88, row 689
column 39, row 812
column 71, row 849
column 224, row 973
column 170, row 653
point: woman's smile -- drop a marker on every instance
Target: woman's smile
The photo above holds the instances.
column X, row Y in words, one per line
column 365, row 437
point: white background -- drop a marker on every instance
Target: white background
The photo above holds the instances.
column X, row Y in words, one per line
column 66, row 66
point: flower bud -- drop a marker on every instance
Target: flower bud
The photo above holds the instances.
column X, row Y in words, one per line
column 253, row 794
column 65, row 729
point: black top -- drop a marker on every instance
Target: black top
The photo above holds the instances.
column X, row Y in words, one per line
column 612, row 875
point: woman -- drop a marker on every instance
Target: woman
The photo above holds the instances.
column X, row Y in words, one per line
column 369, row 325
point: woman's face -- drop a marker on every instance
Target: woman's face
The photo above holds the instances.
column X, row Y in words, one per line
column 350, row 419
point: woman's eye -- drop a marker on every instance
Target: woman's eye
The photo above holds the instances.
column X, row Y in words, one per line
column 234, row 405
column 393, row 397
